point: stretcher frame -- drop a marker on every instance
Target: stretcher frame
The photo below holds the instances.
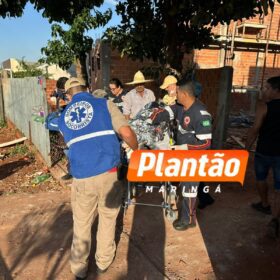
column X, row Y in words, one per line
column 166, row 205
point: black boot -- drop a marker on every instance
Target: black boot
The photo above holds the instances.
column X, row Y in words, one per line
column 66, row 177
column 182, row 225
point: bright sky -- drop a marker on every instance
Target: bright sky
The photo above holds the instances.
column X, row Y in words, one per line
column 25, row 36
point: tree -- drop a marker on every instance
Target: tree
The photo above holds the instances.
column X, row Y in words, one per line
column 68, row 46
column 9, row 8
column 164, row 30
column 60, row 11
column 160, row 30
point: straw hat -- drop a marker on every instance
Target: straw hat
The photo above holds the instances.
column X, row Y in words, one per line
column 169, row 80
column 99, row 93
column 73, row 82
column 138, row 79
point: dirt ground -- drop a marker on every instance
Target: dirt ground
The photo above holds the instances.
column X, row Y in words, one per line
column 36, row 230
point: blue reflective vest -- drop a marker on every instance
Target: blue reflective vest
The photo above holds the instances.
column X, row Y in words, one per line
column 87, row 129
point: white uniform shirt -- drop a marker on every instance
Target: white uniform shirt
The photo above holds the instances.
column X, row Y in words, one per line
column 134, row 102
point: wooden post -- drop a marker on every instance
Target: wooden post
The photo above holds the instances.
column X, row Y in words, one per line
column 224, row 97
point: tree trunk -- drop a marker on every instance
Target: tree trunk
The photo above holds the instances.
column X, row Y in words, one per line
column 81, row 69
column 174, row 54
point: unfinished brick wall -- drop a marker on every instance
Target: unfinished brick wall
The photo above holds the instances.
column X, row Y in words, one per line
column 124, row 69
column 50, row 87
column 242, row 63
column 248, row 65
column 275, row 25
column 272, row 66
column 207, row 58
column 247, row 73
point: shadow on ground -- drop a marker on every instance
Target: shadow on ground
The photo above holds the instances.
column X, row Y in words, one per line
column 10, row 168
column 4, row 270
column 43, row 232
column 147, row 241
column 234, row 235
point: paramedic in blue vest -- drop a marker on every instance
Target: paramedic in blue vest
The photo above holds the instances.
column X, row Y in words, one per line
column 61, row 102
column 194, row 132
column 90, row 127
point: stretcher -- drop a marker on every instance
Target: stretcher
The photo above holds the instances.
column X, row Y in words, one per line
column 168, row 197
column 153, row 137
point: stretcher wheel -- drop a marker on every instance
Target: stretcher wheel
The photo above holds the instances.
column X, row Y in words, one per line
column 134, row 190
column 170, row 215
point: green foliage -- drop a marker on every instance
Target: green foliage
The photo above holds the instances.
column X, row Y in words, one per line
column 12, row 8
column 70, row 45
column 19, row 149
column 263, row 6
column 165, row 30
column 55, row 10
column 2, row 123
column 64, row 10
column 22, row 150
column 28, row 70
column 160, row 30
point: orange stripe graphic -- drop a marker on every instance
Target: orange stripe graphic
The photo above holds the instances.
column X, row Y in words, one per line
column 188, row 166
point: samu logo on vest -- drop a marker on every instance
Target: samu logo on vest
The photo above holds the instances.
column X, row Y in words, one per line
column 78, row 115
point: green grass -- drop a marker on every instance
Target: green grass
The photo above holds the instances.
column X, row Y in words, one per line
column 19, row 150
column 2, row 123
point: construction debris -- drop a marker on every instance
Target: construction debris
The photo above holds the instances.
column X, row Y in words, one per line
column 241, row 120
column 238, row 141
column 13, row 142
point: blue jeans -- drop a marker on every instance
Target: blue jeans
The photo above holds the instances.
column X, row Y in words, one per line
column 263, row 164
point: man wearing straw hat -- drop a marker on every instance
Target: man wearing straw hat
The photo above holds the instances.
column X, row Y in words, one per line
column 138, row 97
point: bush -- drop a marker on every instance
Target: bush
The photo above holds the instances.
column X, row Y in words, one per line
column 19, row 150
column 2, row 123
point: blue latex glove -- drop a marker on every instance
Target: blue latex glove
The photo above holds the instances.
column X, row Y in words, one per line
column 51, row 122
